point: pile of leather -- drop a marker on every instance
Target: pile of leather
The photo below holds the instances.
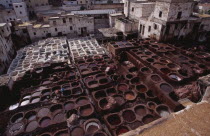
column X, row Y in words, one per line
column 192, row 92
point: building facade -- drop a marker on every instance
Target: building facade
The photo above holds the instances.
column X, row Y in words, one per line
column 64, row 25
column 6, row 47
column 164, row 20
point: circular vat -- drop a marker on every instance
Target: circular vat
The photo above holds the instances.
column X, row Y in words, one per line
column 26, row 96
column 174, row 77
column 111, row 91
column 165, row 61
column 77, row 91
column 71, row 112
column 86, row 110
column 15, row 106
column 141, row 88
column 82, row 101
column 135, row 80
column 43, row 112
column 148, row 53
column 31, row 126
column 31, row 115
column 46, row 82
column 150, row 94
column 103, row 81
column 84, row 71
column 130, row 96
column 95, row 69
column 100, row 133
column 156, row 78
column 66, row 87
column 166, row 87
column 135, row 124
column 62, row 133
column 45, row 98
column 16, row 118
column 183, row 58
column 150, row 60
column 83, row 66
column 88, row 79
column 35, row 94
column 146, row 70
column 56, row 108
column 60, row 117
column 148, row 118
column 56, row 88
column 165, row 70
column 114, row 119
column 69, row 105
column 98, row 76
column 119, row 99
column 129, row 116
column 121, row 130
column 151, row 105
column 45, row 121
column 93, row 84
column 75, row 84
column 91, row 127
column 77, row 131
column 133, row 69
column 24, row 102
column 158, row 65
column 35, row 99
column 103, row 103
column 46, row 92
column 173, row 66
column 99, row 94
column 140, row 110
column 129, row 76
column 163, row 110
column 122, row 87
column 46, row 134
column 16, row 128
column 202, row 66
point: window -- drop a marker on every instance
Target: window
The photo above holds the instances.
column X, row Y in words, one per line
column 64, row 20
column 54, row 22
column 179, row 15
column 176, row 26
column 140, row 28
column 155, row 26
column 16, row 6
column 160, row 14
column 132, row 9
column 24, row 31
column 34, row 33
column 20, row 12
column 167, row 29
column 149, row 28
column 21, row 6
column 70, row 19
column 70, row 27
column 143, row 30
column 56, row 29
column 202, row 26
